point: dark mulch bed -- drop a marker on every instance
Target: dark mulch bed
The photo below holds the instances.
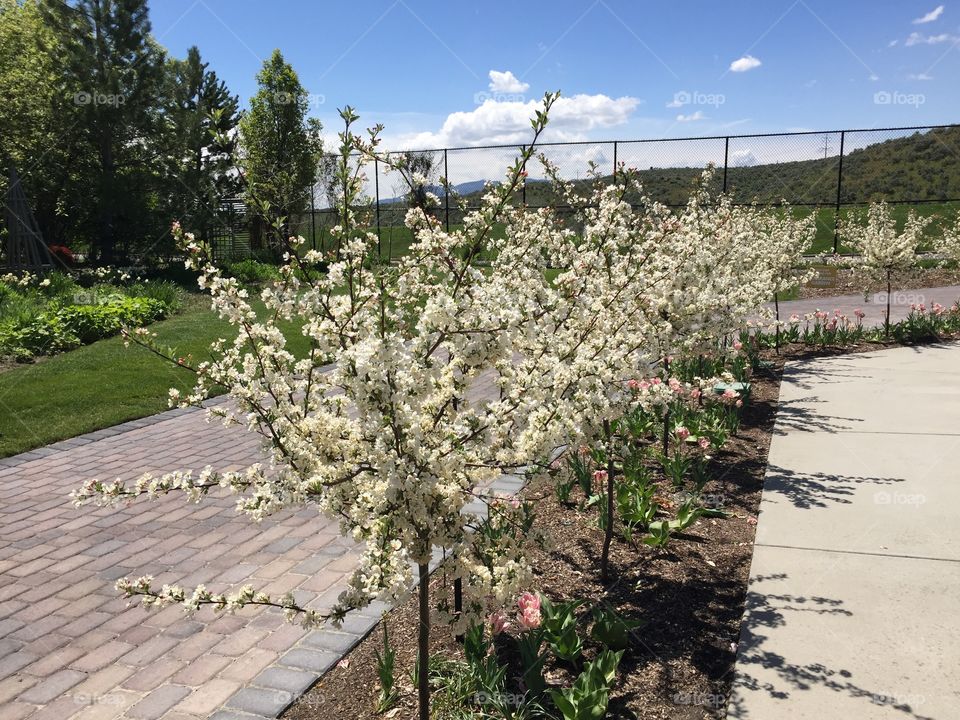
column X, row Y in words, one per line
column 690, row 594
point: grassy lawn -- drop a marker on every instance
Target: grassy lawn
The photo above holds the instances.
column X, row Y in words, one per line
column 104, row 383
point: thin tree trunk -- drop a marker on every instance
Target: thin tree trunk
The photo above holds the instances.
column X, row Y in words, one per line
column 666, row 415
column 776, row 305
column 886, row 323
column 608, row 533
column 423, row 656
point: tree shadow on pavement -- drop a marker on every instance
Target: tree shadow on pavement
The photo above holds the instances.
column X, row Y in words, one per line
column 809, row 490
column 765, row 611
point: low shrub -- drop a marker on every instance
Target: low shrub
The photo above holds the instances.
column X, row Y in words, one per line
column 64, row 328
column 252, row 272
column 165, row 291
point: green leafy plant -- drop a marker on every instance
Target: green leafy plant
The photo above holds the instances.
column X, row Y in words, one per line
column 581, row 470
column 658, row 534
column 612, row 629
column 589, row 696
column 252, row 272
column 386, row 665
column 559, row 628
column 635, row 505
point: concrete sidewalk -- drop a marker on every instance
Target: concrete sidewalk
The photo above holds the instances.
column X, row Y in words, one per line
column 854, row 597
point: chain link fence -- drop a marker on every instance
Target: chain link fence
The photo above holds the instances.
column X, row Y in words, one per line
column 829, row 174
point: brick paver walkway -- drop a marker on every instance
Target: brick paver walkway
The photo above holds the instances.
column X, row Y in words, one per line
column 70, row 647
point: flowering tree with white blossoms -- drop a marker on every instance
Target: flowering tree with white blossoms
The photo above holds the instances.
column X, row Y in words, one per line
column 883, row 251
column 383, row 424
column 948, row 243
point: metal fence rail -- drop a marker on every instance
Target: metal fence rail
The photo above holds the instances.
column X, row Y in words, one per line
column 826, row 173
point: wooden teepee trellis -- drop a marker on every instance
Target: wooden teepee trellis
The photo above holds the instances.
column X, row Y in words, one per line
column 26, row 249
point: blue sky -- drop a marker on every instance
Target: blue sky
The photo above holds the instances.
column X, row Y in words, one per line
column 628, row 69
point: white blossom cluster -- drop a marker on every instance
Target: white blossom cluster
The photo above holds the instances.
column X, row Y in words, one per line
column 428, row 378
column 948, row 244
column 882, row 250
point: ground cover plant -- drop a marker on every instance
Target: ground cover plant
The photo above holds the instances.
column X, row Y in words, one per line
column 54, row 313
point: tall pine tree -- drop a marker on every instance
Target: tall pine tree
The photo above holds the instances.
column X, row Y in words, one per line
column 281, row 150
column 114, row 74
column 202, row 118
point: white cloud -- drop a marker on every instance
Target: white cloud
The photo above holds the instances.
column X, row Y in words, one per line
column 747, row 62
column 919, row 76
column 693, row 117
column 916, row 38
column 497, row 122
column 743, row 158
column 675, row 103
column 892, row 43
column 506, row 82
column 930, row 16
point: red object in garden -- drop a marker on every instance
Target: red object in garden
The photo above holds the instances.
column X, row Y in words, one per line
column 63, row 254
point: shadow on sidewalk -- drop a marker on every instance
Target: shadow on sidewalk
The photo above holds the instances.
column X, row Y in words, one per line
column 797, row 415
column 774, row 610
column 809, row 490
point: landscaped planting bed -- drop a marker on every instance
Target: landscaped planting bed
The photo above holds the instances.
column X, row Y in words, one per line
column 689, row 595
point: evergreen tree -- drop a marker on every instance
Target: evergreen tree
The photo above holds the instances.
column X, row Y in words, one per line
column 114, row 73
column 281, row 150
column 202, row 118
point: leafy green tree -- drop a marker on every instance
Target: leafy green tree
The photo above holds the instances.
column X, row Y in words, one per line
column 114, row 74
column 202, row 119
column 281, row 150
column 36, row 121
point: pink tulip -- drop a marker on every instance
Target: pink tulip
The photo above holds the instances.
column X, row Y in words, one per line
column 633, row 384
column 529, row 601
column 682, row 432
column 498, row 622
column 599, row 476
column 529, row 618
column 704, row 443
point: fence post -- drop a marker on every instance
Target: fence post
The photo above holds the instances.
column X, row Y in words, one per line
column 313, row 218
column 376, row 192
column 726, row 158
column 446, row 189
column 614, row 162
column 836, row 212
column 523, row 190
